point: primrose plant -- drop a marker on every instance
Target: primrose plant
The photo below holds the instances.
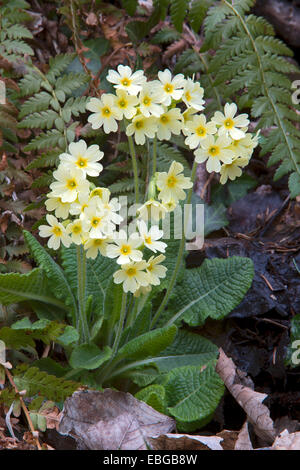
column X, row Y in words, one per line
column 126, row 293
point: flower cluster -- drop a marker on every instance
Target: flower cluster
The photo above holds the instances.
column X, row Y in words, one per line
column 150, row 109
column 90, row 217
column 173, row 105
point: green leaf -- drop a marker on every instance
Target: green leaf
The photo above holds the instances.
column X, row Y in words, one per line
column 193, row 393
column 69, row 336
column 57, row 280
column 43, row 330
column 294, row 185
column 35, row 381
column 213, row 290
column 148, row 344
column 98, row 274
column 198, row 10
column 130, row 6
column 15, row 339
column 178, row 12
column 89, row 356
column 154, row 396
column 16, row 287
column 187, row 349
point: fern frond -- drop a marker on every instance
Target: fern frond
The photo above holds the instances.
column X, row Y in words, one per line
column 44, row 119
column 165, row 36
column 35, row 381
column 178, row 12
column 254, row 65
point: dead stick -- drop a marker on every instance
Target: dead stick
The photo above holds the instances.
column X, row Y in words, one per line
column 24, row 408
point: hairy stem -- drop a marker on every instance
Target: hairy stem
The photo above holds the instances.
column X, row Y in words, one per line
column 179, row 257
column 121, row 324
column 81, row 278
column 154, row 156
column 135, row 168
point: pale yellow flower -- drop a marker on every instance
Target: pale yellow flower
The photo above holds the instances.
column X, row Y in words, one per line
column 197, row 130
column 170, row 87
column 229, row 124
column 193, row 95
column 152, row 210
column 105, row 113
column 96, row 220
column 83, row 157
column 141, row 127
column 70, row 182
column 215, row 151
column 132, row 275
column 156, row 270
column 54, row 203
column 149, row 98
column 172, row 184
column 126, row 103
column 233, row 170
column 56, row 231
column 93, row 246
column 150, row 237
column 125, row 249
column 76, row 231
column 168, row 123
column 125, row 79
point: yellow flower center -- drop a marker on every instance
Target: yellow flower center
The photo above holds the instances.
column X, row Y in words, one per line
column 171, row 181
column 188, row 96
column 150, row 267
column 95, row 221
column 148, row 240
column 76, row 229
column 229, row 123
column 98, row 241
column 168, row 88
column 96, row 192
column 201, row 131
column 57, row 231
column 139, row 124
column 131, row 272
column 147, row 101
column 164, row 119
column 125, row 81
column 125, row 249
column 123, row 103
column 81, row 162
column 83, row 207
column 71, row 184
column 214, row 151
column 106, row 112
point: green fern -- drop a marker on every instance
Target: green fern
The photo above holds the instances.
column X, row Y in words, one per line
column 12, row 34
column 35, row 381
column 51, row 108
column 254, row 66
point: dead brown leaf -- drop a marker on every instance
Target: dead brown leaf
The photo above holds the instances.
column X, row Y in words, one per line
column 251, row 401
column 111, row 420
column 186, row 442
column 286, row 441
column 243, row 441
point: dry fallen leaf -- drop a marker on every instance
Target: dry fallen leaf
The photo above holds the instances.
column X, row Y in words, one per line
column 243, row 441
column 251, row 401
column 111, row 420
column 186, row 442
column 286, row 441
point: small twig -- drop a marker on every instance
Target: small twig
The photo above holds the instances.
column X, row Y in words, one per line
column 24, row 408
column 8, row 423
column 267, row 282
